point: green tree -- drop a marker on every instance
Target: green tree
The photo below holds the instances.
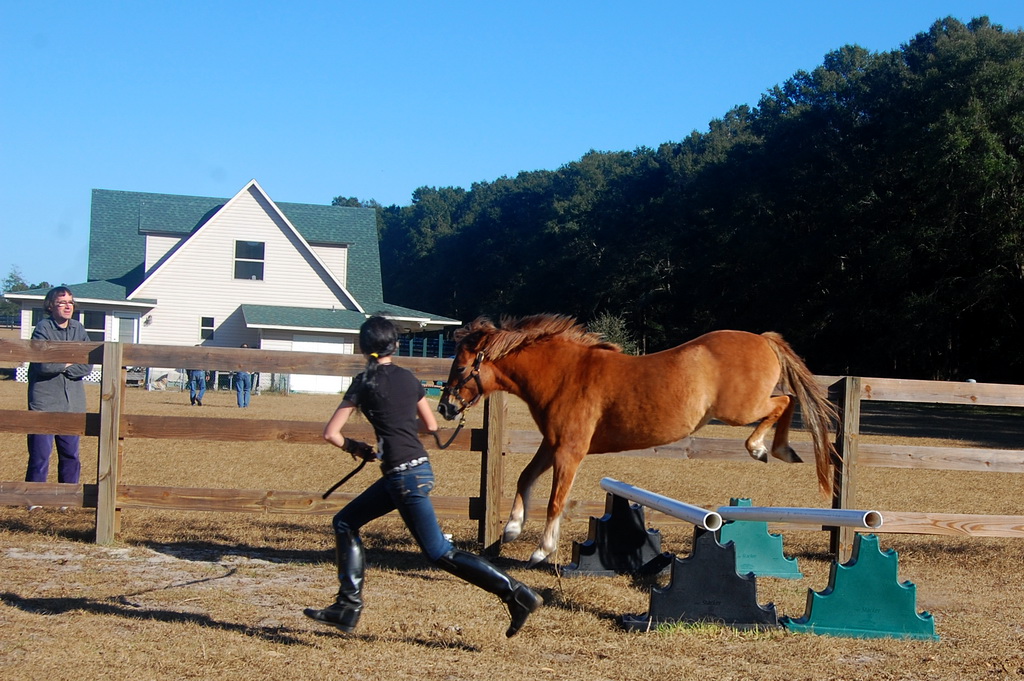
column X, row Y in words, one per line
column 13, row 282
column 613, row 329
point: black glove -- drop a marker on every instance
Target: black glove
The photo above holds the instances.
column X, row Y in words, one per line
column 358, row 449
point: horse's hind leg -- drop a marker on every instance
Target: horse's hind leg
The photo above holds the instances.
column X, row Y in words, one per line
column 780, row 443
column 540, row 462
column 563, row 475
column 780, row 413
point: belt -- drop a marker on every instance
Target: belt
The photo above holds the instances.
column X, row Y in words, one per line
column 407, row 465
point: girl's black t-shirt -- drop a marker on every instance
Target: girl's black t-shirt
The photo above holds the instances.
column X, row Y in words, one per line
column 391, row 409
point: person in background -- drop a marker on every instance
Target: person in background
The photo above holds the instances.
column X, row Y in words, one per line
column 243, row 384
column 197, row 385
column 56, row 387
column 394, row 402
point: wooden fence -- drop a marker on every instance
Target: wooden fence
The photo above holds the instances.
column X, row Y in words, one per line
column 112, row 425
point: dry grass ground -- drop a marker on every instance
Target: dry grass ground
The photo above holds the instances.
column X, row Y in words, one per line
column 202, row 595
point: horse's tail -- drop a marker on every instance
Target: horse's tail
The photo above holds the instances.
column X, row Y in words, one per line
column 818, row 413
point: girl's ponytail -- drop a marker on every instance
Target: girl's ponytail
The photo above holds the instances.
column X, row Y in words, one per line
column 378, row 337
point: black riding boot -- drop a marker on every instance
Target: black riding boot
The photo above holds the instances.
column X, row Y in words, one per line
column 520, row 599
column 344, row 612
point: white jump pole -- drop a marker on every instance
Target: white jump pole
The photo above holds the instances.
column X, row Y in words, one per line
column 709, row 520
column 838, row 517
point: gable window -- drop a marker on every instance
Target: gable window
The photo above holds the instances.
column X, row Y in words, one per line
column 206, row 328
column 249, row 260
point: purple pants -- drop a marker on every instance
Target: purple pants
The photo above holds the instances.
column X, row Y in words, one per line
column 39, row 449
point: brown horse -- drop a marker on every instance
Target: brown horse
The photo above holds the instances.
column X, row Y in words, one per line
column 587, row 397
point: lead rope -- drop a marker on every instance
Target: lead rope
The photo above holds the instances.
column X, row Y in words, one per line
column 437, row 438
column 345, row 479
column 362, row 463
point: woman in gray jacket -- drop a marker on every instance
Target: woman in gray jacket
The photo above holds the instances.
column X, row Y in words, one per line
column 56, row 386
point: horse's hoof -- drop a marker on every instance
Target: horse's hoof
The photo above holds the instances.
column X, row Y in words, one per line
column 538, row 556
column 788, row 455
column 510, row 534
column 760, row 454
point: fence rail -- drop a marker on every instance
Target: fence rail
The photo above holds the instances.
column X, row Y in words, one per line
column 111, row 424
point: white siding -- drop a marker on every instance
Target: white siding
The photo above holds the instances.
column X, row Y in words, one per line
column 336, row 258
column 26, row 322
column 311, row 383
column 269, row 342
column 157, row 247
column 198, row 279
column 285, row 340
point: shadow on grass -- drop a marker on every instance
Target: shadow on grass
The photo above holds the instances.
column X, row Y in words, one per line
column 120, row 607
column 76, row 525
column 382, row 551
column 557, row 599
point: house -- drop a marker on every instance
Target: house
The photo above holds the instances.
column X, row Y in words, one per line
column 189, row 270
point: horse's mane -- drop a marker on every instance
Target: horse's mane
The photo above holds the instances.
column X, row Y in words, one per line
column 512, row 334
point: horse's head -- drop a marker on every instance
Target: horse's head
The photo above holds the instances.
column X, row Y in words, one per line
column 464, row 384
column 481, row 346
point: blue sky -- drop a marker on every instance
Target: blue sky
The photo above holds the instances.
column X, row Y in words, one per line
column 317, row 99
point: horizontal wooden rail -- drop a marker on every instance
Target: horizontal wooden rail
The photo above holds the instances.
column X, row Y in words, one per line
column 212, row 499
column 219, row 429
column 942, row 392
column 527, row 441
column 953, row 524
column 16, row 352
column 942, row 458
column 47, row 494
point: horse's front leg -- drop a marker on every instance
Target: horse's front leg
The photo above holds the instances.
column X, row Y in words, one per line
column 565, row 466
column 540, row 462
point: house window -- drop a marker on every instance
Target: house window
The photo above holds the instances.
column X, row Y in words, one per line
column 249, row 260
column 127, row 328
column 94, row 323
column 206, row 328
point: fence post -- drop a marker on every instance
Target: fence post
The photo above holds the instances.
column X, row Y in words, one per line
column 492, row 470
column 847, row 444
column 111, row 389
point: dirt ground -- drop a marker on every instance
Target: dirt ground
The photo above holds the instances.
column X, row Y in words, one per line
column 205, row 595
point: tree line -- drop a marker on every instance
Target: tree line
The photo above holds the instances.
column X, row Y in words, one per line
column 869, row 210
column 12, row 283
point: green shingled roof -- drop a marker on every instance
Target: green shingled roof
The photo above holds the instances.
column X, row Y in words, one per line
column 311, row 318
column 389, row 310
column 300, row 317
column 99, row 290
column 120, row 221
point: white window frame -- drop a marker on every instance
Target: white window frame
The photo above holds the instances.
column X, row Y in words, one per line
column 101, row 330
column 240, row 260
column 115, row 328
